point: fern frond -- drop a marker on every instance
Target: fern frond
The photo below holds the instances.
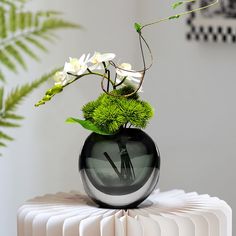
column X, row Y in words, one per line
column 20, row 32
column 5, row 136
column 40, row 15
column 21, row 20
column 7, row 2
column 15, row 53
column 8, row 124
column 2, row 145
column 36, row 43
column 29, row 19
column 46, row 36
column 12, row 116
column 30, row 28
column 17, row 95
column 13, row 1
column 5, row 60
column 27, row 50
column 2, row 78
column 12, row 19
column 55, row 23
column 1, row 97
column 3, row 29
column 14, row 98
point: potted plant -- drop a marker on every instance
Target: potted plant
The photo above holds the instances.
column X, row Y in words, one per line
column 119, row 162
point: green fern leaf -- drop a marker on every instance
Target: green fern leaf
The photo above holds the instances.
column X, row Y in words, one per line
column 21, row 20
column 18, row 94
column 15, row 53
column 8, row 124
column 11, row 2
column 27, row 34
column 29, row 19
column 12, row 116
column 5, row 136
column 5, row 60
column 27, row 50
column 46, row 36
column 3, row 29
column 2, row 78
column 36, row 20
column 40, row 15
column 12, row 19
column 55, row 23
column 1, row 97
column 48, row 13
column 2, row 145
column 36, row 43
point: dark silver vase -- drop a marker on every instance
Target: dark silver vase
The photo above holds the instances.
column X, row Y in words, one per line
column 121, row 170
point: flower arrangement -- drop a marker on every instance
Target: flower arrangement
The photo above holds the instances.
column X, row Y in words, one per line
column 119, row 166
column 119, row 105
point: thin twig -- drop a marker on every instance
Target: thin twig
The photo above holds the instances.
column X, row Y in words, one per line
column 113, row 165
column 180, row 14
column 121, row 82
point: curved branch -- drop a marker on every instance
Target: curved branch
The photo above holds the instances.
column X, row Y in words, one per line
column 181, row 14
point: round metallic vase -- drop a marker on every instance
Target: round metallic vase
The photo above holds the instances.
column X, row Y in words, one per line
column 121, row 170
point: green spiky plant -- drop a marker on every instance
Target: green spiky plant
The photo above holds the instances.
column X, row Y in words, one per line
column 108, row 114
column 23, row 33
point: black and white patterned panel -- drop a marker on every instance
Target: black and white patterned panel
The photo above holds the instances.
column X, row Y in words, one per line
column 210, row 33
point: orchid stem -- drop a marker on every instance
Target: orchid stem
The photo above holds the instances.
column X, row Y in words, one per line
column 90, row 73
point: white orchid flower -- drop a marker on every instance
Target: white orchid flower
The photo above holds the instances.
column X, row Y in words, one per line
column 97, row 59
column 77, row 66
column 133, row 78
column 125, row 69
column 60, row 78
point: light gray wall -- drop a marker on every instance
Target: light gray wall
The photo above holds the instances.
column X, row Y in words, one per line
column 194, row 99
column 192, row 86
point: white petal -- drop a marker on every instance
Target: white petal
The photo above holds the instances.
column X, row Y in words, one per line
column 128, row 73
column 120, row 72
column 69, row 78
column 81, row 60
column 87, row 58
column 98, row 66
column 73, row 60
column 67, row 67
column 82, row 70
column 125, row 66
column 59, row 76
column 95, row 58
column 132, row 79
column 93, row 67
column 124, row 69
column 107, row 57
column 64, row 82
column 58, row 83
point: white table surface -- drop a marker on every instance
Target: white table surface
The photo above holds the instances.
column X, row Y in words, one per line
column 171, row 213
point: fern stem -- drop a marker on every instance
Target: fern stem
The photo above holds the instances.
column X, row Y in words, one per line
column 16, row 37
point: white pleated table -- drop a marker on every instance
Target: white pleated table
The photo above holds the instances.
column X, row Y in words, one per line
column 172, row 213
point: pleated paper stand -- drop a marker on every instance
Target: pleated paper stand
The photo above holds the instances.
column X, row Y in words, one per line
column 172, row 213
